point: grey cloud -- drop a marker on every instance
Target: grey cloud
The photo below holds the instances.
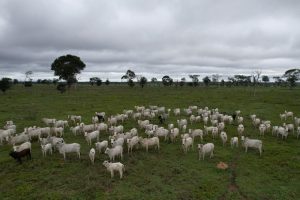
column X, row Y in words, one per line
column 151, row 37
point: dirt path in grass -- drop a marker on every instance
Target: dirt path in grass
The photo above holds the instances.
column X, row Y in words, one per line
column 233, row 187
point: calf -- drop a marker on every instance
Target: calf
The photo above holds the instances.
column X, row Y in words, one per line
column 19, row 155
column 234, row 141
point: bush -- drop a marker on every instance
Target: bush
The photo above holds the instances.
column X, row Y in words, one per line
column 28, row 83
column 5, row 84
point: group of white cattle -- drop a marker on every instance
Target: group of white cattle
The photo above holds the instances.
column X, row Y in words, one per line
column 213, row 120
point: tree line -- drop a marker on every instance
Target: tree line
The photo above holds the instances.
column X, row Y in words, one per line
column 67, row 68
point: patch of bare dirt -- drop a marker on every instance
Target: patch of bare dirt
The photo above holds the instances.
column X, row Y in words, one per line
column 222, row 165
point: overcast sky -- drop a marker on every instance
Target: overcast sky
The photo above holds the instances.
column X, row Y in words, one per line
column 151, row 37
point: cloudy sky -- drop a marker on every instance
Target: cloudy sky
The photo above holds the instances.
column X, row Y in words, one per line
column 152, row 38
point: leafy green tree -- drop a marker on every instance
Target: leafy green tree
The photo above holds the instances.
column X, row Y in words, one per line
column 67, row 67
column 15, row 81
column 167, row 81
column 242, row 80
column 28, row 79
column 55, row 81
column 44, row 81
column 265, row 79
column 5, row 84
column 279, row 81
column 99, row 82
column 124, row 77
column 95, row 80
column 143, row 81
column 231, row 81
column 215, row 78
column 206, row 80
column 182, row 82
column 28, row 75
column 107, row 82
column 130, row 83
column 292, row 75
column 195, row 80
column 222, row 82
column 153, row 80
column 130, row 75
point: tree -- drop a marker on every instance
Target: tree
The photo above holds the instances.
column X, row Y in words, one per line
column 130, row 75
column 231, row 81
column 242, row 80
column 195, row 80
column 256, row 76
column 107, row 82
column 55, row 81
column 279, row 81
column 182, row 81
column 265, row 79
column 143, row 81
column 124, row 77
column 67, row 67
column 28, row 79
column 5, row 84
column 94, row 80
column 153, row 80
column 222, row 82
column 206, row 80
column 15, row 81
column 43, row 81
column 215, row 78
column 292, row 75
column 130, row 83
column 176, row 83
column 167, row 81
column 99, row 82
column 28, row 75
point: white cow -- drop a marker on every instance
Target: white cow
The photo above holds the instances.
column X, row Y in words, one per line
column 186, row 143
column 111, row 167
column 252, row 143
column 234, row 141
column 206, row 149
column 223, row 137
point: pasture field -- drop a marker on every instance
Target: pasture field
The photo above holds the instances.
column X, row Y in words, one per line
column 167, row 174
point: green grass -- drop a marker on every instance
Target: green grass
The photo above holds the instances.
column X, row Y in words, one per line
column 168, row 174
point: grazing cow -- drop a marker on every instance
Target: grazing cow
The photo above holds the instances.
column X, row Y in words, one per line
column 100, row 116
column 18, row 155
column 162, row 118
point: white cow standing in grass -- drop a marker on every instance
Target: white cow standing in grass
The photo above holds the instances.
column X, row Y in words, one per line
column 206, row 149
column 252, row 143
column 111, row 167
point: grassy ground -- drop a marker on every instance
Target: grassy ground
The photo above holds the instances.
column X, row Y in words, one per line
column 168, row 174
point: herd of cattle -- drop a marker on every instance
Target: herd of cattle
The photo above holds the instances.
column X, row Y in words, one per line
column 51, row 136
